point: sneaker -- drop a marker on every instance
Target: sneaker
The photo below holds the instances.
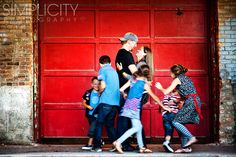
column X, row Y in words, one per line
column 184, row 150
column 102, row 143
column 167, row 147
column 87, row 147
column 190, row 142
column 187, row 150
column 96, row 150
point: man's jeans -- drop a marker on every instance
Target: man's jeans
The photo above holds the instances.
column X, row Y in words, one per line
column 123, row 124
column 106, row 116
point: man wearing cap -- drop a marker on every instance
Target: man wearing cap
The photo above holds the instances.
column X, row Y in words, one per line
column 124, row 57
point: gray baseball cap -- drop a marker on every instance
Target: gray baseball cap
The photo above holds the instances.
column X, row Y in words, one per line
column 129, row 36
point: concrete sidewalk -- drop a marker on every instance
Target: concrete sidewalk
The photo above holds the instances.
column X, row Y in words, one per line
column 199, row 150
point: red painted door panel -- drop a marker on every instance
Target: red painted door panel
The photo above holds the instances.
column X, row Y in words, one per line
column 72, row 42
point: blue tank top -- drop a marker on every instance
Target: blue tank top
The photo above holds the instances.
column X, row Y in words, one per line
column 137, row 89
column 132, row 106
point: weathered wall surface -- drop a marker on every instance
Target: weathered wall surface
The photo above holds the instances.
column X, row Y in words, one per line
column 227, row 50
column 16, row 63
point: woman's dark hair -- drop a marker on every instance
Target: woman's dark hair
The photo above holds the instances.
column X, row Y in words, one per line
column 178, row 69
column 104, row 59
column 94, row 78
column 143, row 71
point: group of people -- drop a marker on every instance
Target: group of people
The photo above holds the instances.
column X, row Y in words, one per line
column 125, row 91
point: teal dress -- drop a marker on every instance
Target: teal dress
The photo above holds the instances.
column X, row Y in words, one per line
column 132, row 106
column 188, row 114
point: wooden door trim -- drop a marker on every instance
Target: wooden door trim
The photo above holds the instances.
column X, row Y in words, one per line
column 214, row 72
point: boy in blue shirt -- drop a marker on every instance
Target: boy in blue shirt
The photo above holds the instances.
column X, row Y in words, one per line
column 109, row 101
column 90, row 102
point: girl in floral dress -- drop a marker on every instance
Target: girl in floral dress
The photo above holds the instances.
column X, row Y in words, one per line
column 190, row 113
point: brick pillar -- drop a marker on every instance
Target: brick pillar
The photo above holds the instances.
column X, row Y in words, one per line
column 227, row 50
column 16, row 74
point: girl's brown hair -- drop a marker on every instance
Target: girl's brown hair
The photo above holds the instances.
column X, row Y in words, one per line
column 178, row 69
column 143, row 71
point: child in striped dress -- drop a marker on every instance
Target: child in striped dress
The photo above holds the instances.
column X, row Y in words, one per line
column 172, row 101
column 131, row 108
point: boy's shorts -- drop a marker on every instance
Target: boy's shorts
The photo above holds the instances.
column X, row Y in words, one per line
column 92, row 122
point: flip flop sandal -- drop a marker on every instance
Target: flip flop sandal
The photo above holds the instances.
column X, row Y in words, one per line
column 190, row 142
column 179, row 150
column 183, row 150
column 145, row 150
column 118, row 148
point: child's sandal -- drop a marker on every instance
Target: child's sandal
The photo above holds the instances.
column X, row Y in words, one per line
column 145, row 150
column 118, row 147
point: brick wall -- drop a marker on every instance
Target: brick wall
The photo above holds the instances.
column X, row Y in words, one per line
column 16, row 76
column 227, row 51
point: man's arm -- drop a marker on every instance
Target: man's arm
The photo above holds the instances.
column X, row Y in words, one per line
column 131, row 64
column 132, row 68
column 120, row 68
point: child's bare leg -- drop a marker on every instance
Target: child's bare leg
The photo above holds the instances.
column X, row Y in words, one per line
column 168, row 138
column 90, row 141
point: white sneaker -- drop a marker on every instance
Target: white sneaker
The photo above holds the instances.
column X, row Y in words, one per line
column 184, row 150
column 87, row 147
column 187, row 150
column 98, row 150
column 167, row 147
column 190, row 142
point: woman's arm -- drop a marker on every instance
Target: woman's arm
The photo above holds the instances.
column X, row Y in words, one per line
column 148, row 89
column 173, row 85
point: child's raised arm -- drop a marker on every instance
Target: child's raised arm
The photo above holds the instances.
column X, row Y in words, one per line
column 173, row 85
column 148, row 89
column 125, row 86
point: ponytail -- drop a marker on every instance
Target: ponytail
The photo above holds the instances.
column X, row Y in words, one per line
column 143, row 71
column 178, row 69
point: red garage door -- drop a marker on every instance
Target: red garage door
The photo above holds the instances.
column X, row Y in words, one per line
column 72, row 37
